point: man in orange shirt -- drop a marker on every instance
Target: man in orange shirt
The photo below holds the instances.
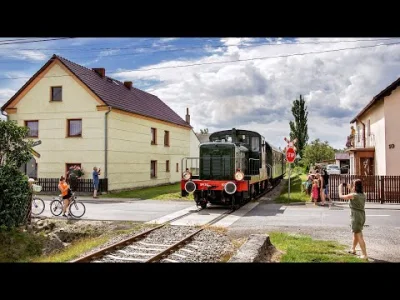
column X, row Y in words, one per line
column 66, row 194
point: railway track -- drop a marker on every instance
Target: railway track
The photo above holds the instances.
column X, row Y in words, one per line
column 159, row 244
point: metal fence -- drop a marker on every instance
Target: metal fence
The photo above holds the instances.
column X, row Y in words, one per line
column 50, row 185
column 382, row 189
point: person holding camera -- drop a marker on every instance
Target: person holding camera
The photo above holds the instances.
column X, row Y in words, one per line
column 357, row 216
column 96, row 181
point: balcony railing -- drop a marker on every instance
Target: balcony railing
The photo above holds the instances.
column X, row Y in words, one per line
column 361, row 141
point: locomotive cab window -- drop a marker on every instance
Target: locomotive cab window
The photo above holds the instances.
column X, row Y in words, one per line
column 255, row 144
column 243, row 139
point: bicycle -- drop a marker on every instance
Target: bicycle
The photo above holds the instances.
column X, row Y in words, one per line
column 38, row 204
column 56, row 206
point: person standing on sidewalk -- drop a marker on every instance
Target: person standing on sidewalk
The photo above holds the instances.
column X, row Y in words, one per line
column 325, row 177
column 357, row 207
column 96, row 181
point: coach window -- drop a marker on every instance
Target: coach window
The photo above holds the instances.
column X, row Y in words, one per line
column 255, row 144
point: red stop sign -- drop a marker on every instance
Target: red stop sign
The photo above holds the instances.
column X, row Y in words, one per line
column 290, row 155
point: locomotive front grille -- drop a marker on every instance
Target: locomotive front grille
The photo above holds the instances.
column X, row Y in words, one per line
column 217, row 167
column 217, row 162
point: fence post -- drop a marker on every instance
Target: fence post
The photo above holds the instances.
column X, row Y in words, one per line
column 382, row 180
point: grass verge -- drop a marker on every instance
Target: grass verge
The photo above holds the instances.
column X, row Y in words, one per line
column 17, row 245
column 74, row 250
column 164, row 192
column 296, row 193
column 301, row 248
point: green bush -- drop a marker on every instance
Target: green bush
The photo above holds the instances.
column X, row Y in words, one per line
column 15, row 196
column 19, row 246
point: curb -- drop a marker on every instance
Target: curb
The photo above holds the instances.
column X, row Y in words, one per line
column 344, row 205
column 256, row 249
column 98, row 200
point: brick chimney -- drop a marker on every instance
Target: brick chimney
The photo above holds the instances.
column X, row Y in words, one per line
column 187, row 116
column 128, row 84
column 100, row 71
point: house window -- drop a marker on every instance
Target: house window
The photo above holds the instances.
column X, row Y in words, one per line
column 56, row 93
column 71, row 166
column 153, row 169
column 358, row 132
column 33, row 128
column 74, row 127
column 153, row 136
column 167, row 166
column 369, row 127
column 177, row 167
column 166, row 138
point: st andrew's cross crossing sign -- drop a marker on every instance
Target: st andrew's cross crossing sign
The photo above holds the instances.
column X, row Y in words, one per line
column 290, row 155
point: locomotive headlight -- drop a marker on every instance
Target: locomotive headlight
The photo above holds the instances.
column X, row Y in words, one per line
column 239, row 175
column 230, row 188
column 190, row 187
column 186, row 175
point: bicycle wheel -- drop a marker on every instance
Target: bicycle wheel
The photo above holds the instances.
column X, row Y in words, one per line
column 56, row 207
column 37, row 206
column 77, row 209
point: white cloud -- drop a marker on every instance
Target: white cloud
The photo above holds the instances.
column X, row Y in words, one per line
column 108, row 52
column 166, row 40
column 5, row 95
column 258, row 94
column 31, row 55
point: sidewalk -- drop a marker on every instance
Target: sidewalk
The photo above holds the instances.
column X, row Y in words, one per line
column 105, row 199
column 389, row 206
column 91, row 199
column 394, row 206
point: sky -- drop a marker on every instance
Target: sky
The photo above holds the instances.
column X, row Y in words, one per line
column 245, row 83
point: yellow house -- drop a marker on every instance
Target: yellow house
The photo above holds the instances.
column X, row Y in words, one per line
column 83, row 117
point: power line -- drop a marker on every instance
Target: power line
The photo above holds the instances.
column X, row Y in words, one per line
column 28, row 42
column 230, row 61
column 20, row 39
column 212, row 46
column 265, row 57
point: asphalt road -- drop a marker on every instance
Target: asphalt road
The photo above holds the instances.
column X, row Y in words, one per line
column 141, row 211
column 306, row 215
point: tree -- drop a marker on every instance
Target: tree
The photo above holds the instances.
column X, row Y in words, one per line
column 14, row 189
column 204, row 131
column 14, row 197
column 299, row 127
column 14, row 149
column 317, row 151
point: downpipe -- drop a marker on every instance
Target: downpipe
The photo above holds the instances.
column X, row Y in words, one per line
column 106, row 141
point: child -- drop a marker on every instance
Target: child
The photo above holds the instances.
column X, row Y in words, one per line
column 315, row 191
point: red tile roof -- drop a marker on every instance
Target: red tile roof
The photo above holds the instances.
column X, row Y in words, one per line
column 115, row 94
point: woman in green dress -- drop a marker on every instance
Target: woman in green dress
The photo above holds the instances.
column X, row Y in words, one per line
column 357, row 207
